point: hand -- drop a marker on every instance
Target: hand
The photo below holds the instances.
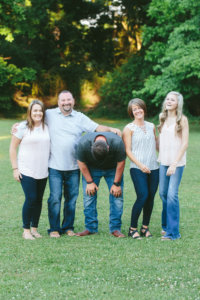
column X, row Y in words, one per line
column 91, row 189
column 17, row 175
column 116, row 131
column 171, row 170
column 116, row 190
column 144, row 169
column 14, row 128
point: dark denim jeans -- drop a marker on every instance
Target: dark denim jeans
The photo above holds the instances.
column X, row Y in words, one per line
column 70, row 181
column 90, row 202
column 168, row 188
column 34, row 191
column 146, row 186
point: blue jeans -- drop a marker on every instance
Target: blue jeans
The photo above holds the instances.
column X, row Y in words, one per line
column 90, row 202
column 146, row 186
column 168, row 187
column 70, row 181
column 34, row 191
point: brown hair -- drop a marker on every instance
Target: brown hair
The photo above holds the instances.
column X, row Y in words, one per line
column 30, row 122
column 138, row 102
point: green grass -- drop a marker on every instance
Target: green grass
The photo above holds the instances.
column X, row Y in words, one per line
column 100, row 266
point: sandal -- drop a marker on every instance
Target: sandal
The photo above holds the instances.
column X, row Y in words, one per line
column 54, row 234
column 132, row 232
column 144, row 232
column 27, row 235
column 35, row 234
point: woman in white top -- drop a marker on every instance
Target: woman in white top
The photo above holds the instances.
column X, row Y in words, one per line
column 31, row 166
column 173, row 142
column 140, row 142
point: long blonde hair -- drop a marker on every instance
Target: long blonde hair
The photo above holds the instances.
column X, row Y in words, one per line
column 30, row 122
column 179, row 113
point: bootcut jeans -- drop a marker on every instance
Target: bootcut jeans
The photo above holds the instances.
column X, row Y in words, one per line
column 168, row 189
column 90, row 202
column 69, row 180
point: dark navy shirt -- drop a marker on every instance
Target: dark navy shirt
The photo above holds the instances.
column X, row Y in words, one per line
column 116, row 152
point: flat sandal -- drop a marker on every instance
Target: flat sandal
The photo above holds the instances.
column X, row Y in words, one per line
column 143, row 232
column 132, row 232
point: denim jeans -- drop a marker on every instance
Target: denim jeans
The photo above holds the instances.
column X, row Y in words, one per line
column 146, row 186
column 70, row 181
column 168, row 187
column 90, row 202
column 34, row 191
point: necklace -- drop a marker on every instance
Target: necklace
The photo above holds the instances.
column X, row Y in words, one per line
column 142, row 127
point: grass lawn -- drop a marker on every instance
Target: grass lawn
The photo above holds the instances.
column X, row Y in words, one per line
column 100, row 266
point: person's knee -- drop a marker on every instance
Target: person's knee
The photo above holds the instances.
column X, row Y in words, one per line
column 163, row 194
column 172, row 197
column 54, row 199
column 31, row 200
column 142, row 197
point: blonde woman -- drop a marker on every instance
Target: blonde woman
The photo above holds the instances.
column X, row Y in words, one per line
column 140, row 143
column 173, row 142
column 30, row 168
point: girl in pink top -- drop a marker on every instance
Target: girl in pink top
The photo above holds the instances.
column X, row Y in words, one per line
column 30, row 168
column 173, row 142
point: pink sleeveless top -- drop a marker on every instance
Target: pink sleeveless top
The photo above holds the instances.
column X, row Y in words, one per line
column 169, row 146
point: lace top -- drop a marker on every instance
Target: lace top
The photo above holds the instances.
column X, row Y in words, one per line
column 144, row 145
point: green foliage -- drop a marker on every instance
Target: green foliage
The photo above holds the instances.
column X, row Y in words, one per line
column 71, row 40
column 172, row 48
column 117, row 89
column 10, row 79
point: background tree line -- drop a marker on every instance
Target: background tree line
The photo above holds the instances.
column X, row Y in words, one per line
column 137, row 48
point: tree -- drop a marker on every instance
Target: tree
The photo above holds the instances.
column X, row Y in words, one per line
column 172, row 50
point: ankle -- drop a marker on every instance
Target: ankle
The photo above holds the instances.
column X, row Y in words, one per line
column 132, row 228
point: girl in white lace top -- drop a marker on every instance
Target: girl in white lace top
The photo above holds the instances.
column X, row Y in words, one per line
column 140, row 142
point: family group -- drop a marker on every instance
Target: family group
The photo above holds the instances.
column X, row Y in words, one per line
column 61, row 142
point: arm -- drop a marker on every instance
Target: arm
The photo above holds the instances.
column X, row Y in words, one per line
column 14, row 128
column 156, row 139
column 91, row 187
column 185, row 135
column 13, row 157
column 116, row 190
column 102, row 128
column 127, row 138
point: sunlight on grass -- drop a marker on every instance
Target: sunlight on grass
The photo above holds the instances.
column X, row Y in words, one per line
column 5, row 137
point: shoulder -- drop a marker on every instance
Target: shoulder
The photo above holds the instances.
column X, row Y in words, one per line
column 45, row 127
column 23, row 125
column 184, row 120
column 86, row 138
column 81, row 116
column 21, row 129
column 130, row 127
column 149, row 124
column 78, row 114
column 51, row 111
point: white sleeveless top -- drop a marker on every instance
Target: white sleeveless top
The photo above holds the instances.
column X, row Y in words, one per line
column 169, row 146
column 34, row 150
column 144, row 145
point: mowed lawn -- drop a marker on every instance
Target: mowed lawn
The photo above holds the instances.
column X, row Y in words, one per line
column 100, row 266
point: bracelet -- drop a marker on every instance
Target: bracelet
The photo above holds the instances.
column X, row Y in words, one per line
column 15, row 169
column 117, row 183
column 88, row 182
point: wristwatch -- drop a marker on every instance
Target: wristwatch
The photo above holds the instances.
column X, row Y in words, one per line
column 117, row 183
